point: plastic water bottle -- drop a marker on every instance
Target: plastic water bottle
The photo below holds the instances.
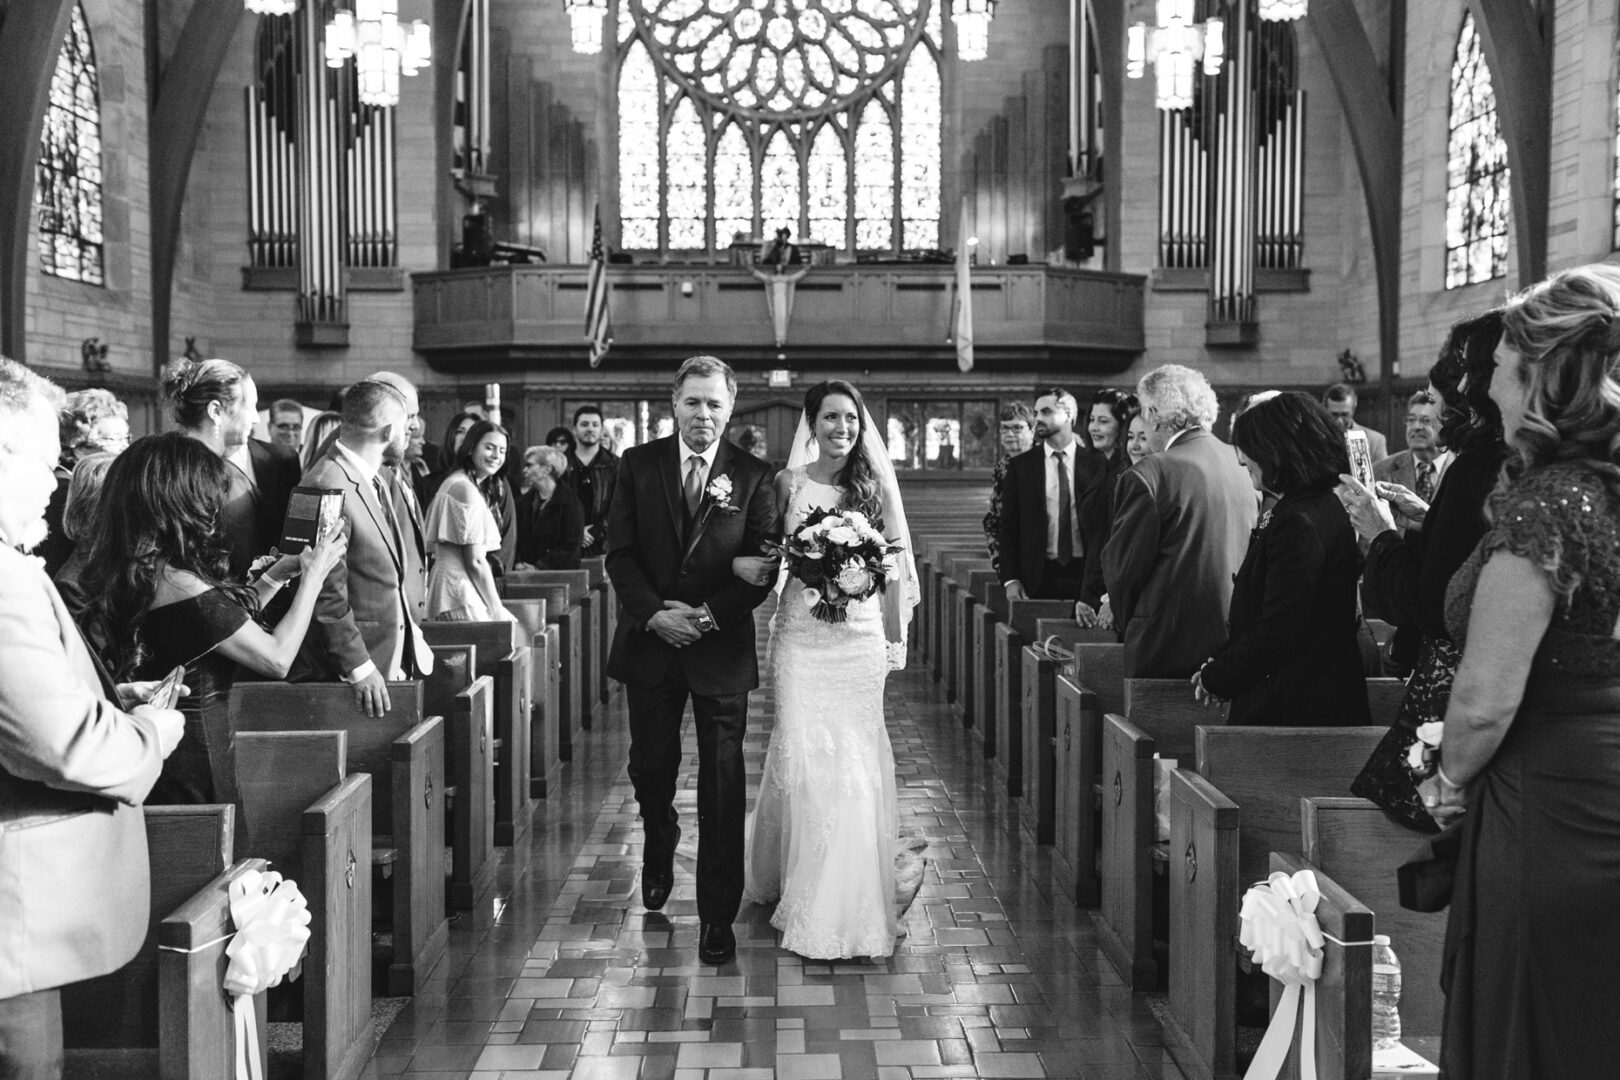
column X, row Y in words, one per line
column 1386, row 995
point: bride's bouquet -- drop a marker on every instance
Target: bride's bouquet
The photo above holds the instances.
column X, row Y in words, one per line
column 840, row 558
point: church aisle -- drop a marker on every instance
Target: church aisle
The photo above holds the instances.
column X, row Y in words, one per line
column 560, row 974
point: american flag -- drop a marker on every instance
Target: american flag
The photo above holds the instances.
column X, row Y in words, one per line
column 598, row 327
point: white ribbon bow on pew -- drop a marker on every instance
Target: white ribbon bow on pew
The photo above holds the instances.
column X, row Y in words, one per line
column 272, row 928
column 1279, row 926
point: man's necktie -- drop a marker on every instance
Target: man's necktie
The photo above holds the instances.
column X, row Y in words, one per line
column 385, row 499
column 1065, row 544
column 1425, row 481
column 694, row 484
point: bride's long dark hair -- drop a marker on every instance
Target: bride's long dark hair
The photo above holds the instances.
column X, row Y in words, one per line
column 858, row 478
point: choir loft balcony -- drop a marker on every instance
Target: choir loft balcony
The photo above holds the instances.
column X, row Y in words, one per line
column 1025, row 317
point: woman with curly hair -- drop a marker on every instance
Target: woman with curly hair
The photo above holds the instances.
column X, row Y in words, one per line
column 1109, row 433
column 160, row 594
column 1530, row 756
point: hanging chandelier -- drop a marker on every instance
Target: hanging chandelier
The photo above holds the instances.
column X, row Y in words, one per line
column 585, row 19
column 1283, row 10
column 1175, row 47
column 972, row 19
column 382, row 48
column 272, row 7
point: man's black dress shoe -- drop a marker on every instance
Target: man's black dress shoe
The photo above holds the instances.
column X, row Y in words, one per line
column 656, row 883
column 716, row 944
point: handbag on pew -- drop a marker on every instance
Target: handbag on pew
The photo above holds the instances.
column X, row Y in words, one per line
column 1425, row 880
column 1386, row 779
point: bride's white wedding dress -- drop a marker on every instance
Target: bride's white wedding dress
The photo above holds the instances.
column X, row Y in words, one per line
column 825, row 834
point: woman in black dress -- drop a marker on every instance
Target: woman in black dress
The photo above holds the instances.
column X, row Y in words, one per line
column 1530, row 756
column 1109, row 429
column 159, row 594
column 1291, row 658
column 1406, row 574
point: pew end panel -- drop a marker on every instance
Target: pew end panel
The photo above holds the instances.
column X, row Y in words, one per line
column 1101, row 668
column 466, row 703
column 1037, row 718
column 1358, row 846
column 197, row 1035
column 982, row 627
column 1201, row 1030
column 283, row 773
column 1344, row 992
column 1125, row 916
column 1076, row 741
column 337, row 970
column 416, row 804
column 1009, row 755
column 542, row 741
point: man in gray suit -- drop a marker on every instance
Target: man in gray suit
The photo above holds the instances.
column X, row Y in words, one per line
column 74, row 766
column 367, row 626
column 1419, row 467
column 1181, row 527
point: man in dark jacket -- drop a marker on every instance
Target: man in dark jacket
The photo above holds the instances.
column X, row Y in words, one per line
column 592, row 470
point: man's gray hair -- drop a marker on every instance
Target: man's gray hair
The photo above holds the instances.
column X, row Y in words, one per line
column 701, row 367
column 1178, row 397
column 549, row 458
column 23, row 392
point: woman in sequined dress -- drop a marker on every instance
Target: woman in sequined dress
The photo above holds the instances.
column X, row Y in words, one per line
column 1530, row 757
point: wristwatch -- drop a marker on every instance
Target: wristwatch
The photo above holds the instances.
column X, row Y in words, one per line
column 704, row 621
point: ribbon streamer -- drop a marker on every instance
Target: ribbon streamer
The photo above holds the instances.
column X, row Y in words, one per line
column 272, row 929
column 1279, row 927
column 1051, row 650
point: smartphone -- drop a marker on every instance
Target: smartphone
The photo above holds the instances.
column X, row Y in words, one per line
column 311, row 512
column 1361, row 464
column 167, row 693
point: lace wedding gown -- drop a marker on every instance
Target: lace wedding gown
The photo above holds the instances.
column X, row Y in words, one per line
column 824, row 837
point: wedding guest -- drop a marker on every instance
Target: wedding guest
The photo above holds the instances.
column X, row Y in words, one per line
column 1406, row 573
column 1109, row 428
column 78, row 520
column 551, row 521
column 1182, row 518
column 76, row 763
column 1530, row 755
column 1017, row 435
column 560, row 438
column 159, row 593
column 318, row 436
column 1340, row 400
column 1419, row 467
column 595, row 469
column 454, row 433
column 91, row 422
column 1042, row 553
column 287, row 424
column 216, row 403
column 1136, row 444
column 1291, row 658
column 463, row 530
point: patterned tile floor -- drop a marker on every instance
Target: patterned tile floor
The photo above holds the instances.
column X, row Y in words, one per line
column 560, row 974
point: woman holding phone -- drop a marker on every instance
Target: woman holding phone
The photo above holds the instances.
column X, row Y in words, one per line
column 159, row 596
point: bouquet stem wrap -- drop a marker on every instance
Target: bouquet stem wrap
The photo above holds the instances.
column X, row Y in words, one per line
column 1279, row 926
column 272, row 929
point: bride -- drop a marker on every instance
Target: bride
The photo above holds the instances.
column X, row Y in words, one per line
column 824, row 837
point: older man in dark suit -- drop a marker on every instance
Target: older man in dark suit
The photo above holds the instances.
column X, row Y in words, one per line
column 74, row 767
column 1181, row 527
column 1038, row 534
column 687, row 631
column 367, row 626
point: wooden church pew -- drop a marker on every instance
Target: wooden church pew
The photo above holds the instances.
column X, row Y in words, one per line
column 1038, row 717
column 509, row 667
column 404, row 751
column 608, row 607
column 163, row 1014
column 585, row 614
column 981, row 635
column 545, row 673
column 1012, row 635
column 466, row 701
column 563, row 612
column 1262, row 773
column 313, row 823
column 1076, row 739
column 1161, row 717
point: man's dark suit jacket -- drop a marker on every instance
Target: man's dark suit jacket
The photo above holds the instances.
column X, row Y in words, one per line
column 254, row 524
column 1292, row 659
column 1023, row 511
column 550, row 534
column 652, row 556
column 1181, row 526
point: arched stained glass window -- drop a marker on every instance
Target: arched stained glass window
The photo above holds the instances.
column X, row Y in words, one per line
column 67, row 188
column 802, row 96
column 1477, row 198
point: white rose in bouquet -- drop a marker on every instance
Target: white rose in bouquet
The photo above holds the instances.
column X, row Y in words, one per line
column 843, row 536
column 832, row 521
column 855, row 520
column 855, row 579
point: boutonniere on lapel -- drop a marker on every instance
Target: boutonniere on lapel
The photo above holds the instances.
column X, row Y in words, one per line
column 717, row 496
column 1265, row 519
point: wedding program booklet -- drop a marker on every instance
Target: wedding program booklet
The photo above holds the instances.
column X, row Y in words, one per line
column 310, row 512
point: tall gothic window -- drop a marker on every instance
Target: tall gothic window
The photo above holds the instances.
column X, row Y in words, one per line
column 737, row 117
column 1477, row 198
column 68, row 179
